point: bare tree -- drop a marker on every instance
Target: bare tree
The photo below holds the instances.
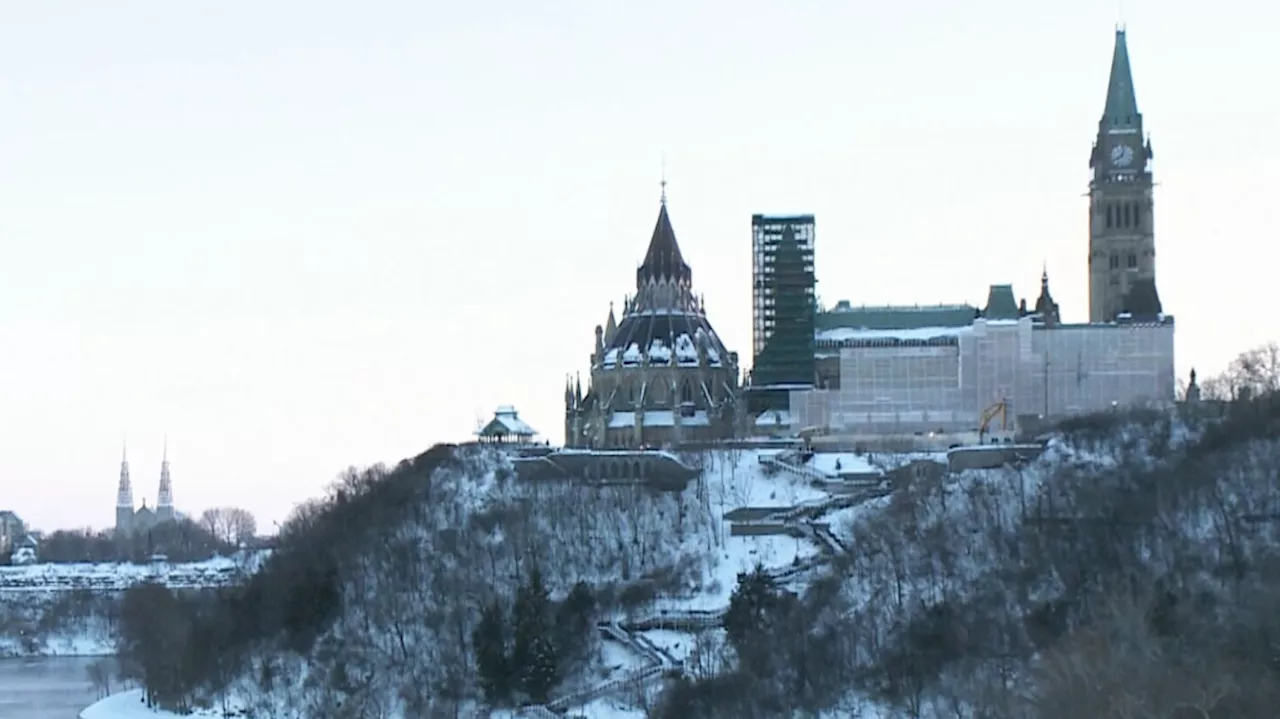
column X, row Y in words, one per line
column 229, row 525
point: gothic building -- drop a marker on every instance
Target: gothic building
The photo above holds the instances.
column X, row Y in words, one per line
column 131, row 521
column 660, row 376
column 1122, row 252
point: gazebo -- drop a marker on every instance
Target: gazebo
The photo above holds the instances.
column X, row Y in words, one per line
column 506, row 427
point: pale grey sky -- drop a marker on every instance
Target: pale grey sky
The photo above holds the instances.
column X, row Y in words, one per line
column 296, row 235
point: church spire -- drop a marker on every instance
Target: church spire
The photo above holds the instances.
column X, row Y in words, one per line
column 164, row 499
column 124, row 490
column 1120, row 114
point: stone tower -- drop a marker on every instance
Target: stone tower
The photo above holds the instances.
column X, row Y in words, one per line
column 164, row 499
column 1122, row 253
column 124, row 497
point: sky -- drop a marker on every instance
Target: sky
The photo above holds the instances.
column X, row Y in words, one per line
column 297, row 236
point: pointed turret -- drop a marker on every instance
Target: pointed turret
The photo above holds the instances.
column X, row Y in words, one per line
column 1121, row 110
column 164, row 499
column 663, row 260
column 1046, row 308
column 610, row 326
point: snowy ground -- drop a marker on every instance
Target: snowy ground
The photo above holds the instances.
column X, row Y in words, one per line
column 218, row 571
column 91, row 639
column 676, row 644
column 737, row 479
column 126, row 705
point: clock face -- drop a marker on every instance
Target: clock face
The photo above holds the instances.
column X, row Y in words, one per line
column 1121, row 155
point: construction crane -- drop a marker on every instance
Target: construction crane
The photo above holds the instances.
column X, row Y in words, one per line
column 999, row 408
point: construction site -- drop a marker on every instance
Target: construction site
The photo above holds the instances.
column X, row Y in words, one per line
column 936, row 388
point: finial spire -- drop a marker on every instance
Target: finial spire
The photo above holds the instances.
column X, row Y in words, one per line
column 663, row 182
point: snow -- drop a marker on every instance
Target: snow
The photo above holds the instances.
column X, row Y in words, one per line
column 510, row 420
column 849, row 463
column 614, row 657
column 632, row 355
column 78, row 637
column 659, row 353
column 216, row 572
column 677, row 644
column 686, row 351
column 126, row 705
column 774, row 418
column 842, row 334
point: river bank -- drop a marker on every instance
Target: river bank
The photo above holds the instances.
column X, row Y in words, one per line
column 74, row 644
column 45, row 687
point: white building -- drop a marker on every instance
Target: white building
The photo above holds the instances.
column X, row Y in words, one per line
column 913, row 379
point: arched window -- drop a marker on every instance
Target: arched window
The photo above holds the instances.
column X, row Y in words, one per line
column 1108, row 216
column 686, row 392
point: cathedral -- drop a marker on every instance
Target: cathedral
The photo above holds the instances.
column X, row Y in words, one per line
column 130, row 521
column 660, row 376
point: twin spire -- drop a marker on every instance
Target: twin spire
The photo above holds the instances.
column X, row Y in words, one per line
column 124, row 491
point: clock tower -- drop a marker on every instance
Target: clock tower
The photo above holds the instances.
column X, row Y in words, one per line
column 1122, row 251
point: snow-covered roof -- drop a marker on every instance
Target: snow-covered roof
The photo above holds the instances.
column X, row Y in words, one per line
column 506, row 421
column 921, row 334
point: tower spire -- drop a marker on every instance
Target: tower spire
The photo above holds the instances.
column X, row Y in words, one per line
column 1120, row 114
column 663, row 182
column 164, row 498
column 124, row 489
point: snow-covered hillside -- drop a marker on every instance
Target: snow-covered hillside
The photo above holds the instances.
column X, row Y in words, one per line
column 474, row 530
column 1034, row 589
column 947, row 595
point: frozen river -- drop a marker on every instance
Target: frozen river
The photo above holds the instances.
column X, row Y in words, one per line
column 45, row 687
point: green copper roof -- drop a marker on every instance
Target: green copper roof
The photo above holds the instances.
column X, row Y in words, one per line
column 1122, row 105
column 844, row 315
column 1001, row 304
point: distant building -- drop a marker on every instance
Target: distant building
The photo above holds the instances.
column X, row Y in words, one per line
column 506, row 427
column 783, row 306
column 12, row 531
column 661, row 376
column 130, row 521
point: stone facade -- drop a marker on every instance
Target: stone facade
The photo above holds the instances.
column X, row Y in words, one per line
column 661, row 376
column 1122, row 249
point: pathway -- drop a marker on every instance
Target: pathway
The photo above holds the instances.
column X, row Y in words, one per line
column 801, row 518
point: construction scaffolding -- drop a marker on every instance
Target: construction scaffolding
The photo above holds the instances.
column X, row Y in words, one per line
column 782, row 290
column 944, row 383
